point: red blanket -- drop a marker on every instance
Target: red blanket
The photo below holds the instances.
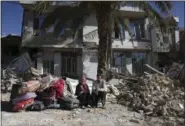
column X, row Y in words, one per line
column 58, row 87
column 23, row 104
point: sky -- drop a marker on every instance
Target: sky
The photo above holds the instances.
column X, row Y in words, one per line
column 178, row 10
column 11, row 21
column 11, row 18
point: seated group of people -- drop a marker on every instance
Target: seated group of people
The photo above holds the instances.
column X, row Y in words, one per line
column 86, row 98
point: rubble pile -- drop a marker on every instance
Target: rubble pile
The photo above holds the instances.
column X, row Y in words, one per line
column 10, row 77
column 153, row 94
column 7, row 80
column 18, row 70
column 31, row 90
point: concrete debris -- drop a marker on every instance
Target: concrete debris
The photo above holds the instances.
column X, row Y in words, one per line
column 35, row 71
column 182, row 75
column 154, row 94
column 17, row 70
column 114, row 90
column 135, row 121
column 175, row 70
column 8, row 78
column 111, row 98
column 153, row 69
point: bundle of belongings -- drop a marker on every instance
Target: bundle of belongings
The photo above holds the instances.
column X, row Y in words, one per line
column 42, row 93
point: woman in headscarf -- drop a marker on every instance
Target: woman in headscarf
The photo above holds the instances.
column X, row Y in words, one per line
column 82, row 92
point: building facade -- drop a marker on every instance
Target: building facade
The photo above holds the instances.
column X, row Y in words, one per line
column 66, row 56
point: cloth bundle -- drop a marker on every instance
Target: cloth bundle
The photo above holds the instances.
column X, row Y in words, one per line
column 29, row 86
column 48, row 92
column 26, row 96
column 23, row 104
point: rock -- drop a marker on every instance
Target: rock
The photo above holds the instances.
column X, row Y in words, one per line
column 165, row 82
column 76, row 112
column 114, row 90
column 108, row 90
column 148, row 113
column 73, row 115
column 141, row 111
column 89, row 110
column 135, row 121
column 176, row 106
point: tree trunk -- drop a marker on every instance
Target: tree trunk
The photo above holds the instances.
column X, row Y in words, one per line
column 109, row 50
column 110, row 41
column 103, row 16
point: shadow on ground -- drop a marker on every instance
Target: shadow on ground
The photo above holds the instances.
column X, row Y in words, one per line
column 6, row 106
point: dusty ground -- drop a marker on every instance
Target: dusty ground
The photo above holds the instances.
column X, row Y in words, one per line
column 113, row 115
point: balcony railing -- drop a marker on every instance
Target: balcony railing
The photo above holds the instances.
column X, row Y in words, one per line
column 161, row 49
column 91, row 35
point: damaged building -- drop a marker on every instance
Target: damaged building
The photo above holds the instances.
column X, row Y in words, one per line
column 65, row 57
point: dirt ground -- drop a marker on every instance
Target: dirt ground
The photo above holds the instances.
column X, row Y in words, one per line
column 113, row 115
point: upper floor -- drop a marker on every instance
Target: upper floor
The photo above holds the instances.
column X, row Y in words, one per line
column 142, row 35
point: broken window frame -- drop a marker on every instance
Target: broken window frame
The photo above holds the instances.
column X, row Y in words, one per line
column 137, row 29
column 69, row 62
column 37, row 26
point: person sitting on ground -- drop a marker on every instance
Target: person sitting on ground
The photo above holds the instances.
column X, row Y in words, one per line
column 99, row 90
column 82, row 92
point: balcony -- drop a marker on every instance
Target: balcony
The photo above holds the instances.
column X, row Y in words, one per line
column 47, row 39
column 131, row 12
column 92, row 36
column 131, row 9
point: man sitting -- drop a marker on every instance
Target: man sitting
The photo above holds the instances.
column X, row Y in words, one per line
column 82, row 92
column 99, row 90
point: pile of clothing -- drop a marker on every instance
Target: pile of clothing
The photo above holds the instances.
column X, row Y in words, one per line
column 45, row 92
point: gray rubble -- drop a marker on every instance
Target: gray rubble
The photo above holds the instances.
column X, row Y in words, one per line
column 8, row 78
column 153, row 94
